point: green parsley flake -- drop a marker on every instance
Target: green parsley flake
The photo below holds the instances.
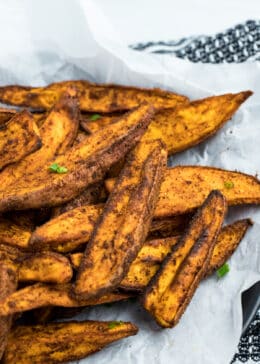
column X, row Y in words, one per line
column 95, row 117
column 229, row 184
column 222, row 271
column 55, row 168
column 113, row 324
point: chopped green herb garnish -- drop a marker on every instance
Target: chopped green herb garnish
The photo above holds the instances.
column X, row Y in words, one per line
column 55, row 168
column 222, row 271
column 113, row 324
column 95, row 117
column 229, row 184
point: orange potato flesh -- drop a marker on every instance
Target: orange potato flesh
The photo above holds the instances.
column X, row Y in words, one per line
column 92, row 126
column 62, row 342
column 92, row 97
column 123, row 226
column 41, row 295
column 13, row 234
column 47, row 267
column 18, row 138
column 169, row 293
column 184, row 188
column 46, row 189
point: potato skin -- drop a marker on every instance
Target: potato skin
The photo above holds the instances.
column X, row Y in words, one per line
column 171, row 289
column 62, row 342
column 184, row 188
column 86, row 164
column 122, row 228
column 18, row 138
column 104, row 98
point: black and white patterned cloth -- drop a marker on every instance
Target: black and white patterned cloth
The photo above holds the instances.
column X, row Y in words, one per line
column 238, row 44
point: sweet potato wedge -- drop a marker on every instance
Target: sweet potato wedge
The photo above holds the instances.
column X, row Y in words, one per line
column 187, row 125
column 13, row 234
column 122, row 228
column 92, row 97
column 62, row 342
column 41, row 295
column 46, row 267
column 86, row 164
column 8, row 283
column 184, row 188
column 18, row 138
column 170, row 291
column 57, row 135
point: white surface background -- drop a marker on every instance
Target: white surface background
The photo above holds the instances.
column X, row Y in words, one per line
column 151, row 20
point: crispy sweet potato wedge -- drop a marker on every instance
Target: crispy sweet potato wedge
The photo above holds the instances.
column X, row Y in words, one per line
column 57, row 135
column 92, row 97
column 123, row 226
column 153, row 252
column 86, row 164
column 189, row 124
column 41, row 294
column 184, row 188
column 46, row 267
column 13, row 234
column 8, row 252
column 8, row 283
column 18, row 138
column 173, row 286
column 62, row 342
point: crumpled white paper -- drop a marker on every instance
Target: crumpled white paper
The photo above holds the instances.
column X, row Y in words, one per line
column 48, row 41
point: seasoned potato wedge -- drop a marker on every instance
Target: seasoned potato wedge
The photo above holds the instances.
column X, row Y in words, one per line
column 62, row 342
column 188, row 124
column 18, row 138
column 92, row 123
column 184, row 188
column 85, row 164
column 169, row 293
column 13, row 234
column 123, row 226
column 47, row 267
column 92, row 97
column 41, row 295
column 57, row 135
column 8, row 283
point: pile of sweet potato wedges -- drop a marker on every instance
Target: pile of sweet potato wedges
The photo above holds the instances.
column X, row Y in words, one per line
column 90, row 213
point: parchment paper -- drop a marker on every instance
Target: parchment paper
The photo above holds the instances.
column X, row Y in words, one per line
column 48, row 41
